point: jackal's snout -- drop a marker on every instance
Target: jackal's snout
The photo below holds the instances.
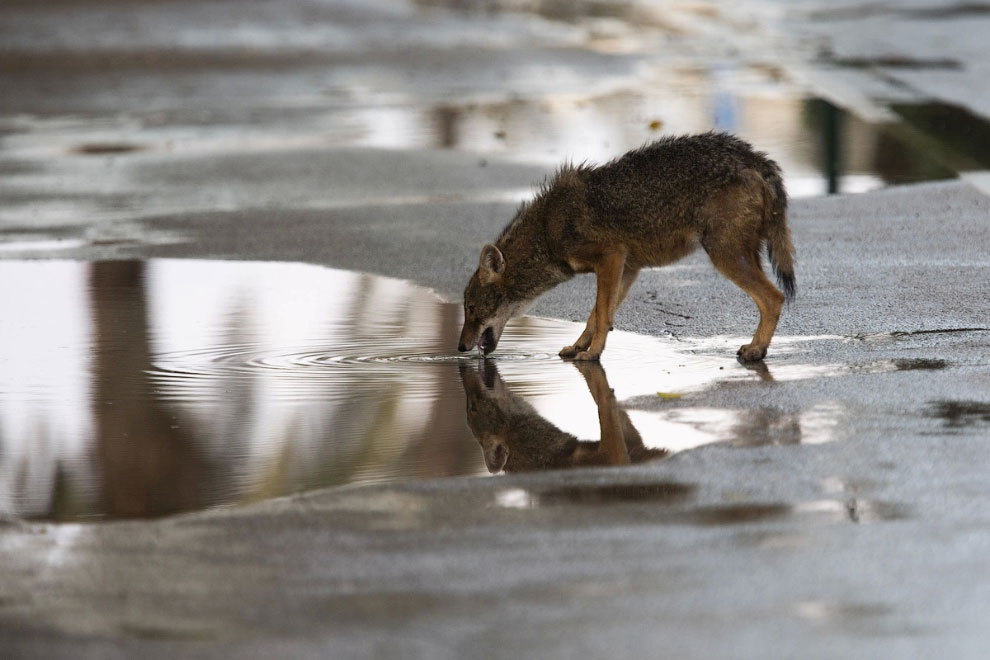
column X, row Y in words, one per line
column 469, row 337
column 488, row 341
column 486, row 306
column 474, row 336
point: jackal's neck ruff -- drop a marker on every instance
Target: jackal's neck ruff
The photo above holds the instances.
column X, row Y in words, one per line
column 533, row 266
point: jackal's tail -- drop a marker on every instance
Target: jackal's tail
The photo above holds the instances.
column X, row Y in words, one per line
column 780, row 249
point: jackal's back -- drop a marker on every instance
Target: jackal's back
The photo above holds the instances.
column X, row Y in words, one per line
column 668, row 180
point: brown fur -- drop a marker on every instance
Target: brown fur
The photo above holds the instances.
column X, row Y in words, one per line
column 516, row 438
column 647, row 209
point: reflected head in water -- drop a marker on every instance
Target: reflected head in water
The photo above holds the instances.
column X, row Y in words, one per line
column 514, row 437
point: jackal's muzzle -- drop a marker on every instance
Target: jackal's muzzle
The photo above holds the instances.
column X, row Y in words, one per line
column 471, row 337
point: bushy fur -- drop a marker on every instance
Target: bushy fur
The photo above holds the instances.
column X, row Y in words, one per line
column 649, row 208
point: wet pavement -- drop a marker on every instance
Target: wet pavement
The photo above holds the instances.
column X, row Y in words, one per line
column 226, row 239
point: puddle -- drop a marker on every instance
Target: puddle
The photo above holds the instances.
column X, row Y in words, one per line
column 953, row 136
column 550, row 82
column 666, row 492
column 923, row 364
column 139, row 389
column 958, row 415
column 905, row 364
column 106, row 148
column 663, row 494
column 40, row 245
column 670, row 503
column 947, row 11
column 733, row 514
column 901, row 335
column 897, row 62
column 821, row 148
column 855, row 510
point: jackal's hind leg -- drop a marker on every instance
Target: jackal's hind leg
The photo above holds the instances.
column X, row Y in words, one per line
column 746, row 272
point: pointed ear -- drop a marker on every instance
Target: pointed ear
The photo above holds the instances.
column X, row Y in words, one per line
column 492, row 263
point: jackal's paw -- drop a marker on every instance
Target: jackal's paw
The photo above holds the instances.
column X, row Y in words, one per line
column 569, row 351
column 588, row 355
column 751, row 353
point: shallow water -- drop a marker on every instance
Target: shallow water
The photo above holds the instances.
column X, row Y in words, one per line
column 136, row 389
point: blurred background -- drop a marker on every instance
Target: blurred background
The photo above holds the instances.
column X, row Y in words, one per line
column 108, row 104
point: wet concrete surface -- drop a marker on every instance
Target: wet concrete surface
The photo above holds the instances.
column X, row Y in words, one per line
column 829, row 503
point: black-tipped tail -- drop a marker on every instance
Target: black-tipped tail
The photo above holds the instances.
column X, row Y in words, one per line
column 787, row 283
column 780, row 249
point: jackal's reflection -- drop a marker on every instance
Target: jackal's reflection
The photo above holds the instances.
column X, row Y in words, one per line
column 516, row 438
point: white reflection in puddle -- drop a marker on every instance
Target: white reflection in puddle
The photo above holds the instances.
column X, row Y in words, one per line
column 41, row 245
column 684, row 428
column 514, row 498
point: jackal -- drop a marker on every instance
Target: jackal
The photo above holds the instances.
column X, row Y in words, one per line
column 516, row 438
column 649, row 208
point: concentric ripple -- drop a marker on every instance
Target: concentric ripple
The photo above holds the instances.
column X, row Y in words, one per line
column 313, row 369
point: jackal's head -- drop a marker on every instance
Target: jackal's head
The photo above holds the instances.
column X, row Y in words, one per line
column 512, row 435
column 489, row 411
column 488, row 303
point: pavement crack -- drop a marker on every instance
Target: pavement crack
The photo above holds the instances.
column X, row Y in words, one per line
column 906, row 333
column 862, row 336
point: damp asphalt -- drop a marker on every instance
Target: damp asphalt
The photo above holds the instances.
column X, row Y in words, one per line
column 190, row 183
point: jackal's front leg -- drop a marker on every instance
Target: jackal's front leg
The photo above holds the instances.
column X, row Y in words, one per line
column 583, row 341
column 609, row 273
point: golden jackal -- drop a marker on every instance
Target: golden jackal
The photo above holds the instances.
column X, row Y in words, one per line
column 648, row 208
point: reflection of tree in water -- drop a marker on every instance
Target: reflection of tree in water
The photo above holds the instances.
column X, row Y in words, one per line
column 228, row 427
column 66, row 501
column 826, row 121
column 931, row 142
column 440, row 450
column 446, row 117
column 368, row 434
column 149, row 462
column 339, row 457
column 39, row 482
column 766, row 426
column 954, row 137
column 155, row 457
column 898, row 162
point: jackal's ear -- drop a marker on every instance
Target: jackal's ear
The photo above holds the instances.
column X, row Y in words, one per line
column 492, row 263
